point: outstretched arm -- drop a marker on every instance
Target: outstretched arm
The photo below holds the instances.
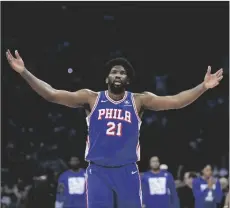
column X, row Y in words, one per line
column 154, row 102
column 70, row 99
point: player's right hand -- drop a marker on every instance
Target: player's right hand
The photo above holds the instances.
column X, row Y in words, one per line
column 16, row 63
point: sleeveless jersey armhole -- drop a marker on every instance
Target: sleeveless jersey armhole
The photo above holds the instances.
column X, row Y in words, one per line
column 135, row 108
column 94, row 107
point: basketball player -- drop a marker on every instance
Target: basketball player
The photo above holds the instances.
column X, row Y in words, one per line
column 71, row 187
column 158, row 187
column 114, row 119
column 207, row 189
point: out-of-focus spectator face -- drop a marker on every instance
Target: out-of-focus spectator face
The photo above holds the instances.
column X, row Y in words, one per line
column 190, row 181
column 20, row 184
column 154, row 163
column 207, row 171
column 19, row 181
column 224, row 183
column 186, row 178
column 74, row 162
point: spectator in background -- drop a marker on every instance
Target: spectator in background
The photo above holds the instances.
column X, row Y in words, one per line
column 9, row 198
column 71, row 187
column 207, row 190
column 42, row 193
column 225, row 189
column 163, row 167
column 158, row 187
column 227, row 202
column 185, row 192
column 21, row 192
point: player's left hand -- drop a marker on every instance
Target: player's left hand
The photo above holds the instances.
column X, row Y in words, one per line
column 211, row 181
column 212, row 80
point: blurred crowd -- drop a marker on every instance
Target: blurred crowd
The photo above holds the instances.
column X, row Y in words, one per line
column 41, row 190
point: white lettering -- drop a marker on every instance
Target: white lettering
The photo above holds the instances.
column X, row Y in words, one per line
column 128, row 116
column 114, row 114
column 101, row 113
column 119, row 115
column 109, row 113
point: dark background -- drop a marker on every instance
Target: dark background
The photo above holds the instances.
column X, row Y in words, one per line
column 161, row 39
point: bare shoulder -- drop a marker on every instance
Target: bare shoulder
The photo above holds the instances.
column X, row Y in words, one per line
column 139, row 97
column 92, row 96
column 143, row 94
column 88, row 92
column 144, row 100
column 73, row 99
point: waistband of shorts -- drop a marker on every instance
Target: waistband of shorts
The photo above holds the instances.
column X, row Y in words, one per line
column 106, row 166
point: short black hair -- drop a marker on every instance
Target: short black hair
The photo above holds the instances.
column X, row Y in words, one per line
column 203, row 166
column 192, row 175
column 122, row 62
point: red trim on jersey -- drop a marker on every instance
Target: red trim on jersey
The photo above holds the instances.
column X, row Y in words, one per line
column 87, row 147
column 88, row 123
column 135, row 108
column 138, row 151
column 140, row 190
column 94, row 106
column 114, row 101
column 86, row 188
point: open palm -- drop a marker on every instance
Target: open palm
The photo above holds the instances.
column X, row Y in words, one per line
column 16, row 63
column 212, row 80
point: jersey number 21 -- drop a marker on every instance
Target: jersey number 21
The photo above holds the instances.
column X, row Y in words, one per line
column 114, row 129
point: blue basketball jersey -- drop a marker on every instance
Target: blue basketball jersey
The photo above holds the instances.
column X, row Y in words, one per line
column 73, row 194
column 113, row 131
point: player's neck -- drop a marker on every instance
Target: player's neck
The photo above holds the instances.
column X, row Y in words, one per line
column 75, row 170
column 206, row 178
column 116, row 97
column 156, row 171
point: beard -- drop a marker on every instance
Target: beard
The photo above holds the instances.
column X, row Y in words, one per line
column 156, row 168
column 74, row 167
column 117, row 89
